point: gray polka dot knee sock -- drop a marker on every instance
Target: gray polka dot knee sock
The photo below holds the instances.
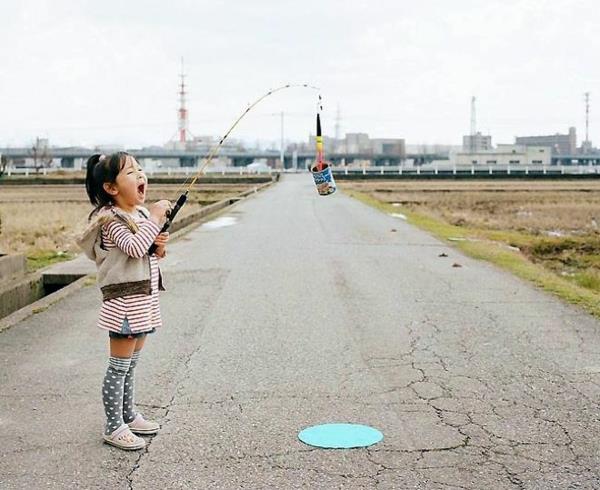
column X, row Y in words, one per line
column 112, row 392
column 129, row 412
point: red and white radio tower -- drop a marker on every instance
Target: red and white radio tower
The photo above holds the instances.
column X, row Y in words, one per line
column 182, row 121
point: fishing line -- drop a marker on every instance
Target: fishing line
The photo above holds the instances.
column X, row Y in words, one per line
column 213, row 152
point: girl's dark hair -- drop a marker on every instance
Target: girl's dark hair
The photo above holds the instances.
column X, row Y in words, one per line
column 100, row 172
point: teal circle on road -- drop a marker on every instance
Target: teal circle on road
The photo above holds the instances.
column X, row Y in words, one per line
column 340, row 436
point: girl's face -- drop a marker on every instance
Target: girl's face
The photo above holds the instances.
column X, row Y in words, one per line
column 130, row 187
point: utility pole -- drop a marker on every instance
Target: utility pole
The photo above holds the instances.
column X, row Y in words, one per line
column 473, row 124
column 338, row 118
column 587, row 145
column 281, row 149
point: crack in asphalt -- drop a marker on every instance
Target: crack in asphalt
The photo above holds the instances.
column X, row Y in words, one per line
column 184, row 374
column 435, row 379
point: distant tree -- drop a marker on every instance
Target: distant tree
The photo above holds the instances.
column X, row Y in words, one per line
column 3, row 164
column 40, row 154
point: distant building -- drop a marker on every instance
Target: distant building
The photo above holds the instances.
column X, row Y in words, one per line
column 561, row 144
column 507, row 155
column 204, row 144
column 109, row 148
column 438, row 149
column 357, row 143
column 477, row 142
column 388, row 146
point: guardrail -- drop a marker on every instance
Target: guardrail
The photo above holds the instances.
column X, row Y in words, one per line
column 390, row 171
column 446, row 171
column 27, row 171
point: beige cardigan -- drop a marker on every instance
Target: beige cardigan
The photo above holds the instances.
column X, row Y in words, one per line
column 120, row 274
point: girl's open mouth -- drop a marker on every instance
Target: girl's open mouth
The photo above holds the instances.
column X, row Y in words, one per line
column 141, row 188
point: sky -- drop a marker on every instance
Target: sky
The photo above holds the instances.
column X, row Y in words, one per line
column 95, row 73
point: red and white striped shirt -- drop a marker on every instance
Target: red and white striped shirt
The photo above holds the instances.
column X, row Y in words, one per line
column 142, row 311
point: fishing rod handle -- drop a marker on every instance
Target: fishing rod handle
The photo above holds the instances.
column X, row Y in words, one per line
column 170, row 217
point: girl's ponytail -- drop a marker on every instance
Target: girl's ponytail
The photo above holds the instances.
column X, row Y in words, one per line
column 90, row 186
column 100, row 170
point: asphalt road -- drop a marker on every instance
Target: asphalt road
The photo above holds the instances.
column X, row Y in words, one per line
column 308, row 310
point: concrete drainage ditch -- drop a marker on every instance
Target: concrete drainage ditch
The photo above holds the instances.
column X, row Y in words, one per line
column 18, row 288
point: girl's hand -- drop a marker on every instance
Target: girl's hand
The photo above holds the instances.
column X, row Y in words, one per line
column 161, row 241
column 158, row 210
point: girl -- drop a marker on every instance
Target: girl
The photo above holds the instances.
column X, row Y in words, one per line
column 117, row 239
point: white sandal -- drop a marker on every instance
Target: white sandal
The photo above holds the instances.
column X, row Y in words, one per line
column 123, row 438
column 139, row 425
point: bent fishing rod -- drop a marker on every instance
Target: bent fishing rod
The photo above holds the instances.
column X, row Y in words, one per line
column 213, row 152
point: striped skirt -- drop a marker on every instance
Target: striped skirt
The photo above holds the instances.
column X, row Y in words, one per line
column 142, row 311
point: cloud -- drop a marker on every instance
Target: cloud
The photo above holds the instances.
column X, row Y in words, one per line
column 108, row 71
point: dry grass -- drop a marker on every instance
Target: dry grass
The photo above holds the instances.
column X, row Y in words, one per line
column 76, row 193
column 42, row 222
column 567, row 208
column 552, row 223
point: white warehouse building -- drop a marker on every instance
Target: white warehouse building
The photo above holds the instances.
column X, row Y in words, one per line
column 507, row 155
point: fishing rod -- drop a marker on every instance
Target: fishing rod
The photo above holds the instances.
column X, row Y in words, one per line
column 183, row 197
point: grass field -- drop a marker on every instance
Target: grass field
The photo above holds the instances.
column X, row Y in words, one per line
column 545, row 231
column 42, row 221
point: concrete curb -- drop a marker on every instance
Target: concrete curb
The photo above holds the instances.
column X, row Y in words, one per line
column 42, row 304
column 20, row 292
column 12, row 266
column 213, row 208
column 185, row 226
column 209, row 212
